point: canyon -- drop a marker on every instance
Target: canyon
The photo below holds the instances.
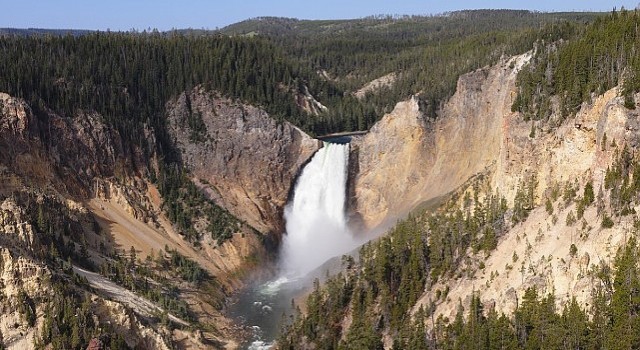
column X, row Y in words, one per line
column 247, row 163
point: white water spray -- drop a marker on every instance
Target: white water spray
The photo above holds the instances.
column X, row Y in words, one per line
column 316, row 232
column 315, row 218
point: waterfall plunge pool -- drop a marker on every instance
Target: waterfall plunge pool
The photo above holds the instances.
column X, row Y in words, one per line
column 263, row 308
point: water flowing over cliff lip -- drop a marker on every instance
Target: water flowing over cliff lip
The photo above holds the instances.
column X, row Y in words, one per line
column 342, row 137
column 316, row 219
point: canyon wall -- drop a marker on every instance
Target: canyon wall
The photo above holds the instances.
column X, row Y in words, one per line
column 407, row 158
column 245, row 160
column 238, row 155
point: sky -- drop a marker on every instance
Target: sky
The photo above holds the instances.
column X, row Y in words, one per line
column 122, row 15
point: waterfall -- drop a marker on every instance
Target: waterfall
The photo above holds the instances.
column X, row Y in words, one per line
column 316, row 231
column 315, row 218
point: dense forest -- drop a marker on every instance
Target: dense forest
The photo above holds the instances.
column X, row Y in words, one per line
column 128, row 77
column 428, row 53
column 565, row 74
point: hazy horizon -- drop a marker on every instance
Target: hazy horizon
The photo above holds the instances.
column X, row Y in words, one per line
column 163, row 15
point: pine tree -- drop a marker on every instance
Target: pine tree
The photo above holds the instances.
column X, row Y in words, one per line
column 575, row 323
column 625, row 325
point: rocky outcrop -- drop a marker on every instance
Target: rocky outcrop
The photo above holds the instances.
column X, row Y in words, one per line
column 407, row 158
column 127, row 324
column 13, row 223
column 67, row 153
column 386, row 81
column 21, row 280
column 26, row 289
column 308, row 103
column 245, row 159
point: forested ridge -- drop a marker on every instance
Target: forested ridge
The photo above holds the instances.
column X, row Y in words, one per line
column 563, row 75
column 128, row 77
column 428, row 53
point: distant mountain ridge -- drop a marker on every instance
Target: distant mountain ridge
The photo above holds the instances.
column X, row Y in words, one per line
column 44, row 31
column 273, row 25
column 385, row 23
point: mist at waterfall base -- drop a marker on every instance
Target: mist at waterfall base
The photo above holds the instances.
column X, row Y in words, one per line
column 315, row 218
column 316, row 231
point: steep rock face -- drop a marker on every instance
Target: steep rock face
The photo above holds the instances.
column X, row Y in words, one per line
column 246, row 160
column 537, row 253
column 49, row 148
column 373, row 86
column 21, row 150
column 81, row 163
column 406, row 159
column 387, row 176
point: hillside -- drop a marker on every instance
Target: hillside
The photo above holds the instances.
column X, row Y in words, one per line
column 535, row 243
column 427, row 52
